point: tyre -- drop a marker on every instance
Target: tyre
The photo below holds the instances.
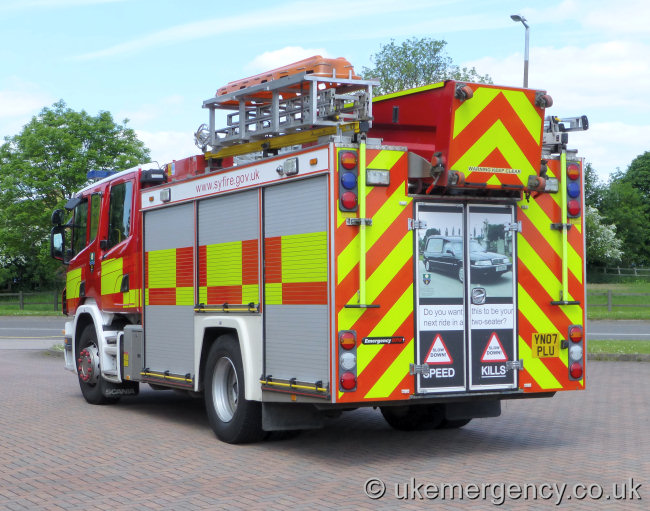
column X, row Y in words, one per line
column 92, row 385
column 427, row 265
column 460, row 274
column 413, row 418
column 233, row 419
column 453, row 424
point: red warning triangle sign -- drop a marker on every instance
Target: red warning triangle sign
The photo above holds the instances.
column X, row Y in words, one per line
column 494, row 351
column 438, row 354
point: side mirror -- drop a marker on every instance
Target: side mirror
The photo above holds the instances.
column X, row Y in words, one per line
column 58, row 217
column 57, row 244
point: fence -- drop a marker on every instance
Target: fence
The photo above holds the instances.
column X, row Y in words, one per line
column 54, row 301
column 610, row 300
column 630, row 272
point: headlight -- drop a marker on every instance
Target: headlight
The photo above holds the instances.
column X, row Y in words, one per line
column 483, row 262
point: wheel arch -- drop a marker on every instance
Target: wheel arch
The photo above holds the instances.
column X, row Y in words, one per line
column 247, row 331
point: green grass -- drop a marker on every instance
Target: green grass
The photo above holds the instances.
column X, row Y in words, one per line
column 597, row 305
column 619, row 347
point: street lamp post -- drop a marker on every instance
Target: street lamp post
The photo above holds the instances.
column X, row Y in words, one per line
column 518, row 17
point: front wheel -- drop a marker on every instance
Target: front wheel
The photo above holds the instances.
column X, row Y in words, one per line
column 233, row 419
column 93, row 386
column 461, row 274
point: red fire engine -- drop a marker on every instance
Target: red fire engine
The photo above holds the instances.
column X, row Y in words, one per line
column 422, row 252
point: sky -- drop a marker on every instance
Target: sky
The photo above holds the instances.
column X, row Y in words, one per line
column 154, row 62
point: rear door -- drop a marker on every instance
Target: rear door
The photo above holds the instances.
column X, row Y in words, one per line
column 466, row 307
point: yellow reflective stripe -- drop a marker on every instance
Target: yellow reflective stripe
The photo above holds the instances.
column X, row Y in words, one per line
column 250, row 293
column 496, row 137
column 542, row 222
column 408, row 91
column 536, row 368
column 468, row 110
column 381, row 220
column 380, row 278
column 132, row 298
column 388, row 381
column 203, row 294
column 72, row 283
column 224, row 264
column 526, row 112
column 146, row 296
column 184, row 296
column 112, row 273
column 304, row 257
column 273, row 293
column 395, row 316
column 162, row 268
column 385, row 159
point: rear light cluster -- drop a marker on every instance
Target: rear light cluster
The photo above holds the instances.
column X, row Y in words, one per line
column 576, row 352
column 347, row 360
column 348, row 180
column 573, row 188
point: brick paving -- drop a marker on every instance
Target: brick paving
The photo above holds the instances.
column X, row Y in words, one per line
column 157, row 451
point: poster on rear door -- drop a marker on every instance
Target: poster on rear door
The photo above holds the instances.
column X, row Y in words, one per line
column 491, row 292
column 440, row 298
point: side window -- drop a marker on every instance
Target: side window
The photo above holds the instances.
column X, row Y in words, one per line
column 79, row 226
column 95, row 205
column 119, row 213
column 434, row 245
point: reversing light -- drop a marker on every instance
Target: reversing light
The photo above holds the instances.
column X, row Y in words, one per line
column 348, row 160
column 348, row 361
column 348, row 380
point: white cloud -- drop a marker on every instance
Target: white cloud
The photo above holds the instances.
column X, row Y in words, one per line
column 19, row 101
column 152, row 111
column 296, row 13
column 276, row 58
column 167, row 146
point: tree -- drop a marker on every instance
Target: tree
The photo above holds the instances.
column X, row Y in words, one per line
column 594, row 188
column 603, row 247
column 638, row 174
column 416, row 62
column 40, row 168
column 624, row 206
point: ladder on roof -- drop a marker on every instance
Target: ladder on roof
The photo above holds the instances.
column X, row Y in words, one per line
column 300, row 104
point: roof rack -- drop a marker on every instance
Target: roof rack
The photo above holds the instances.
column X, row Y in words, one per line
column 297, row 99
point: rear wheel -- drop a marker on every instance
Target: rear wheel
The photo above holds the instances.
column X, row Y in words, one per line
column 461, row 274
column 92, row 384
column 427, row 265
column 453, row 424
column 413, row 418
column 233, row 419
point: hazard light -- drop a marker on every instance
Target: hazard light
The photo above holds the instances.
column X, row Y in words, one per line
column 573, row 189
column 347, row 360
column 348, row 181
column 576, row 352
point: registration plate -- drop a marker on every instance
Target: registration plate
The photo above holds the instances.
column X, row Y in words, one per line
column 546, row 345
column 501, row 267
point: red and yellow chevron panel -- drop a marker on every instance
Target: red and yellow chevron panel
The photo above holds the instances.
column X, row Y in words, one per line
column 382, row 370
column 539, row 267
column 169, row 277
column 228, row 272
column 496, row 137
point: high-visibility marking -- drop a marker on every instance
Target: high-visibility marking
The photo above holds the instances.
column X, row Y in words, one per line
column 438, row 353
column 468, row 110
column 408, row 91
column 112, row 272
column 526, row 111
column 536, row 368
column 496, row 137
column 72, row 282
column 494, row 351
column 393, row 376
column 162, row 268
